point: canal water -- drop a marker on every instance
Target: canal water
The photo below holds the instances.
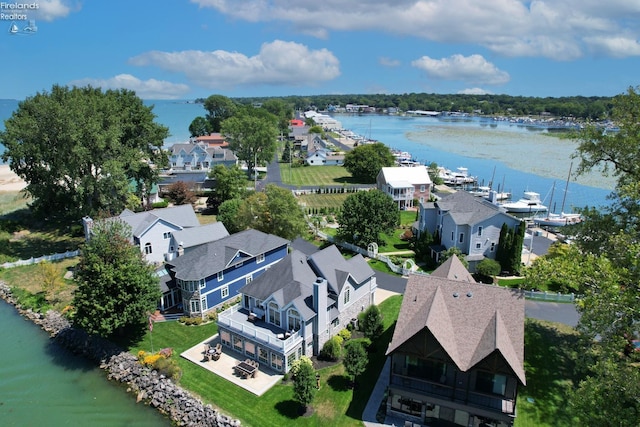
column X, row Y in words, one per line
column 42, row 384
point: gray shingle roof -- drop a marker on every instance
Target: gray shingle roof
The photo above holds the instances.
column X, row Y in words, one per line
column 467, row 209
column 290, row 280
column 210, row 258
column 330, row 264
column 181, row 216
column 469, row 320
column 195, row 236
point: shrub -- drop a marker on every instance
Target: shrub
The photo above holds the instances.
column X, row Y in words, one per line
column 212, row 316
column 345, row 334
column 332, row 349
column 168, row 367
column 370, row 322
column 295, row 366
column 189, row 321
column 166, row 352
column 151, row 359
column 159, row 205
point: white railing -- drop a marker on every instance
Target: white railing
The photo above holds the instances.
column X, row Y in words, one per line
column 30, row 261
column 549, row 296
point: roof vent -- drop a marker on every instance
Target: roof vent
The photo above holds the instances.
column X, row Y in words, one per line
column 456, row 295
column 469, row 294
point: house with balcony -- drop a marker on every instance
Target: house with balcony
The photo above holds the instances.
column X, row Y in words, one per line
column 296, row 306
column 324, row 157
column 457, row 352
column 199, row 156
column 462, row 220
column 405, row 184
column 211, row 274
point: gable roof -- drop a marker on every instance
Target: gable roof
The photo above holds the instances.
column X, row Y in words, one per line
column 467, row 209
column 181, row 216
column 469, row 320
column 210, row 258
column 330, row 264
column 453, row 269
column 289, row 281
column 195, row 236
column 415, row 175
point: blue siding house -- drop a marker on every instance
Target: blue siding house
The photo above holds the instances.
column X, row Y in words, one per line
column 212, row 274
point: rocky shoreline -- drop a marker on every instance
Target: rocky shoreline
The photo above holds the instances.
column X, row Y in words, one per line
column 147, row 385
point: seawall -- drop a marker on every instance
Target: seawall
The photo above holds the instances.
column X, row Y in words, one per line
column 145, row 384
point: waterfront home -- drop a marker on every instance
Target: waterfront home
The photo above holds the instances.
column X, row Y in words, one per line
column 211, row 274
column 324, row 157
column 405, row 185
column 457, row 352
column 152, row 230
column 214, row 139
column 185, row 240
column 471, row 224
column 296, row 306
column 199, row 156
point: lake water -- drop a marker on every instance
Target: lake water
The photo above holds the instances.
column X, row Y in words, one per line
column 42, row 384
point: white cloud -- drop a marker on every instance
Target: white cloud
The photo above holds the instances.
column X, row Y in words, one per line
column 617, row 47
column 472, row 69
column 277, row 63
column 474, row 91
column 145, row 89
column 388, row 62
column 50, row 10
column 550, row 28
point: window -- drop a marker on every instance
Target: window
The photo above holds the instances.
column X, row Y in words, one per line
column 461, row 239
column 237, row 343
column 293, row 319
column 147, row 248
column 260, row 259
column 203, row 284
column 452, row 236
column 478, row 245
column 248, row 279
column 263, row 355
column 195, row 306
column 166, row 235
column 276, row 361
column 224, row 292
column 220, row 276
column 274, row 314
column 203, row 303
column 487, row 382
column 347, row 295
column 422, row 188
column 493, row 245
column 479, row 231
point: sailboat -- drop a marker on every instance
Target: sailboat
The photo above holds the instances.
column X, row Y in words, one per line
column 561, row 219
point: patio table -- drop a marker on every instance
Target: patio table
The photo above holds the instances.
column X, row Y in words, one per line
column 246, row 369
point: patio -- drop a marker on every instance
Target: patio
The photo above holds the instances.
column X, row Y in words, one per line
column 225, row 367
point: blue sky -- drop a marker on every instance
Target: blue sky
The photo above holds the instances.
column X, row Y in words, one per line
column 188, row 49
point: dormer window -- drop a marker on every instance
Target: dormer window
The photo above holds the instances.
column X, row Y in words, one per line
column 293, row 319
column 274, row 313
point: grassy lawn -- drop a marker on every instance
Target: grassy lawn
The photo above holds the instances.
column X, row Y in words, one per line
column 319, row 201
column 316, row 176
column 11, row 201
column 334, row 404
column 550, row 355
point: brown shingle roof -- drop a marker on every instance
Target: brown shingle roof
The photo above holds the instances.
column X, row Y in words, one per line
column 469, row 320
column 453, row 269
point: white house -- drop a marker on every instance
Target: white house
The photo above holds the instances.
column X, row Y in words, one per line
column 405, row 185
column 322, row 157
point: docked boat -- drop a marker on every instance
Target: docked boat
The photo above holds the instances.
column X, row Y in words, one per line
column 529, row 203
column 481, row 191
column 558, row 220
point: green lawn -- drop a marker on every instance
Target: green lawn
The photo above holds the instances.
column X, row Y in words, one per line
column 316, row 175
column 335, row 403
column 331, row 202
column 550, row 365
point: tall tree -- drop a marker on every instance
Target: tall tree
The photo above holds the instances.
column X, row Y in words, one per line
column 228, row 215
column 219, row 108
column 252, row 137
column 355, row 359
column 365, row 215
column 230, row 183
column 79, row 149
column 365, row 161
column 200, row 127
column 282, row 110
column 117, row 288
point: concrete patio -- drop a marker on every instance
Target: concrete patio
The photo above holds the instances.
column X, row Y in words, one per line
column 224, row 367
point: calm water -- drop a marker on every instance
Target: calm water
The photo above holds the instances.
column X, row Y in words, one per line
column 42, row 384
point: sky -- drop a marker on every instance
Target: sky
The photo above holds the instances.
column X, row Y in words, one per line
column 186, row 49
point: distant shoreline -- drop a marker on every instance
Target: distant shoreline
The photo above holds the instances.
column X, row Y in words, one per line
column 9, row 181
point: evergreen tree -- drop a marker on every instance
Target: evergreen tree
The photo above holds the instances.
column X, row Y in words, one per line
column 117, row 288
column 371, row 322
column 355, row 359
column 304, row 384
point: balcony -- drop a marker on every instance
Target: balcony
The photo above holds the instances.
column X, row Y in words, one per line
column 237, row 320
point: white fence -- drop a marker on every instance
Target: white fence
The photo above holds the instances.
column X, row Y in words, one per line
column 54, row 257
column 549, row 296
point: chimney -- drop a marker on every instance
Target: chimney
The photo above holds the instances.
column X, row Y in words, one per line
column 180, row 250
column 320, row 306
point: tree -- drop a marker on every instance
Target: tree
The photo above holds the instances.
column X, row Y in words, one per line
column 365, row 215
column 371, row 322
column 117, row 288
column 79, row 149
column 454, row 251
column 230, row 183
column 421, row 245
column 275, row 211
column 286, row 152
column 488, row 269
column 304, row 385
column 200, row 127
column 51, row 280
column 180, row 194
column 355, row 359
column 251, row 137
column 228, row 215
column 219, row 108
column 365, row 161
column 282, row 110
column 509, row 251
column 332, row 348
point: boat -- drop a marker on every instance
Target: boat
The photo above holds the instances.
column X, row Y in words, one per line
column 530, row 202
column 561, row 219
column 481, row 191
